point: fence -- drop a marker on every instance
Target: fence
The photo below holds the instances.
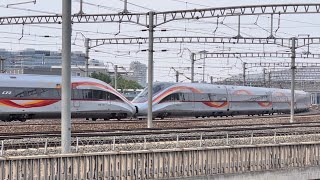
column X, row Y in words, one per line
column 129, row 143
column 159, row 164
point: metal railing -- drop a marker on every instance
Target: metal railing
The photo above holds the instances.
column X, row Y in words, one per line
column 183, row 140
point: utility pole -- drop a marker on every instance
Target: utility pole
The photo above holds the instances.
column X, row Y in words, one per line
column 177, row 76
column 2, row 64
column 264, row 77
column 125, row 8
column 150, row 69
column 116, row 77
column 81, row 11
column 271, row 30
column 204, row 66
column 192, row 66
column 244, row 73
column 293, row 67
column 269, row 74
column 239, row 28
column 86, row 44
column 66, row 78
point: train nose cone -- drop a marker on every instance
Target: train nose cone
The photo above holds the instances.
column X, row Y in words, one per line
column 141, row 109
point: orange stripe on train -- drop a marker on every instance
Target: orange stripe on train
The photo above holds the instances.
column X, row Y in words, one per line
column 246, row 92
column 180, row 88
column 42, row 103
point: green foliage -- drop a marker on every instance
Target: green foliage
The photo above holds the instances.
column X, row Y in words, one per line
column 128, row 84
column 122, row 82
column 101, row 76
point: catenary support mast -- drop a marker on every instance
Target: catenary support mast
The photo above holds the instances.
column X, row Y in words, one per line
column 192, row 66
column 293, row 67
column 150, row 69
column 66, row 78
column 86, row 44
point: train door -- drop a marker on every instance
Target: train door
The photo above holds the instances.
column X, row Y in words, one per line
column 270, row 100
column 228, row 99
column 188, row 99
column 76, row 96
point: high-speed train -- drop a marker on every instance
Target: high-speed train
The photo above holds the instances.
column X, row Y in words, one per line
column 39, row 96
column 205, row 100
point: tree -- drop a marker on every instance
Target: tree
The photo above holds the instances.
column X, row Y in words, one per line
column 122, row 82
column 101, row 76
column 128, row 84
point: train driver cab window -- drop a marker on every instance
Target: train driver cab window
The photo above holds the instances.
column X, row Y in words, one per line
column 218, row 97
column 113, row 97
column 172, row 98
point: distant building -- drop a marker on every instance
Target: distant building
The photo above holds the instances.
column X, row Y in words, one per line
column 80, row 71
column 32, row 58
column 31, row 61
column 139, row 71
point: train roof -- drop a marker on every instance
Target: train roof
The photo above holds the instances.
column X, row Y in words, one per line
column 28, row 79
column 221, row 85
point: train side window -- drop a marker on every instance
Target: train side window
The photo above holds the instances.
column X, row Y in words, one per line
column 212, row 97
column 114, row 97
column 201, row 97
column 188, row 96
column 25, row 93
column 48, row 93
column 77, row 94
column 87, row 94
column 182, row 96
column 220, row 97
column 96, row 94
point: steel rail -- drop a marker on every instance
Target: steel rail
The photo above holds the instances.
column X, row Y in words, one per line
column 162, row 131
column 169, row 120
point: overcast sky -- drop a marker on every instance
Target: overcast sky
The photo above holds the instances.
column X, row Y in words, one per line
column 176, row 55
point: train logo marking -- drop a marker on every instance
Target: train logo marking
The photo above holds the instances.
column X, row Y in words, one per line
column 6, row 92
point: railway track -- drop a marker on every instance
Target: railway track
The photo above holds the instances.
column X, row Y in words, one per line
column 159, row 135
column 135, row 121
column 230, row 129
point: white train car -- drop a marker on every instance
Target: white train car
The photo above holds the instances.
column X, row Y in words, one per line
column 205, row 100
column 39, row 96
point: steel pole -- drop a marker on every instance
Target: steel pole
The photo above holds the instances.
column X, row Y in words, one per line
column 66, row 78
column 204, row 66
column 293, row 67
column 86, row 44
column 244, row 74
column 125, row 8
column 264, row 77
column 177, row 76
column 81, row 11
column 269, row 74
column 192, row 66
column 116, row 77
column 239, row 27
column 2, row 65
column 150, row 69
column 271, row 30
